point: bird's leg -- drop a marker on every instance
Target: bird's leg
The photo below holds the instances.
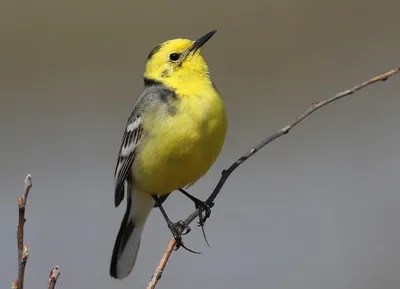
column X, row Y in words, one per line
column 206, row 208
column 175, row 227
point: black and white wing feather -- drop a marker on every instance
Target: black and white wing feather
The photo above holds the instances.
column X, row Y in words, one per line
column 127, row 153
column 153, row 92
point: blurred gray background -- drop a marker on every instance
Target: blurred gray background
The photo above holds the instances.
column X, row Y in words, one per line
column 318, row 208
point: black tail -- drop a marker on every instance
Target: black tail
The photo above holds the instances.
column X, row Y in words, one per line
column 126, row 246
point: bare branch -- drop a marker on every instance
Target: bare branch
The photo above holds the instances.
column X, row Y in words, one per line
column 158, row 273
column 27, row 187
column 22, row 265
column 53, row 277
column 283, row 131
column 23, row 251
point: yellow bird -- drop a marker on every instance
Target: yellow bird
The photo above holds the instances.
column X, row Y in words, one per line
column 174, row 134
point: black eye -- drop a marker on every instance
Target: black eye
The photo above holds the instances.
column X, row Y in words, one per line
column 174, row 56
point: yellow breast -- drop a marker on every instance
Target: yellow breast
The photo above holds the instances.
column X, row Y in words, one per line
column 179, row 148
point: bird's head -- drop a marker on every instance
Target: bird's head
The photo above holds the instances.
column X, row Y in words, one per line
column 177, row 62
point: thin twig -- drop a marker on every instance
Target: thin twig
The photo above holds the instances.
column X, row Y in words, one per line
column 54, row 274
column 158, row 273
column 25, row 255
column 226, row 173
column 23, row 251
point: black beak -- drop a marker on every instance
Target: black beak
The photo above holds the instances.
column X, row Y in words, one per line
column 201, row 41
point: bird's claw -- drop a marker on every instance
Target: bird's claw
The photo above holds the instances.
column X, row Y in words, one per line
column 185, row 228
column 178, row 229
column 206, row 208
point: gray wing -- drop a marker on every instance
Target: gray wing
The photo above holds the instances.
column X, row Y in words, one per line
column 132, row 137
column 130, row 141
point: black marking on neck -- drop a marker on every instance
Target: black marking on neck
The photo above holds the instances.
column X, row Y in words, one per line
column 151, row 82
column 169, row 98
column 165, row 94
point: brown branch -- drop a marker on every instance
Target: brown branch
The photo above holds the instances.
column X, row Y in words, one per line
column 25, row 255
column 53, row 277
column 158, row 273
column 283, row 131
column 23, row 250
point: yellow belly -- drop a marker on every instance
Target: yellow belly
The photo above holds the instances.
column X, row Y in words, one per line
column 179, row 149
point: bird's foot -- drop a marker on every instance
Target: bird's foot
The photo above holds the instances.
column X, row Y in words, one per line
column 206, row 208
column 178, row 229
